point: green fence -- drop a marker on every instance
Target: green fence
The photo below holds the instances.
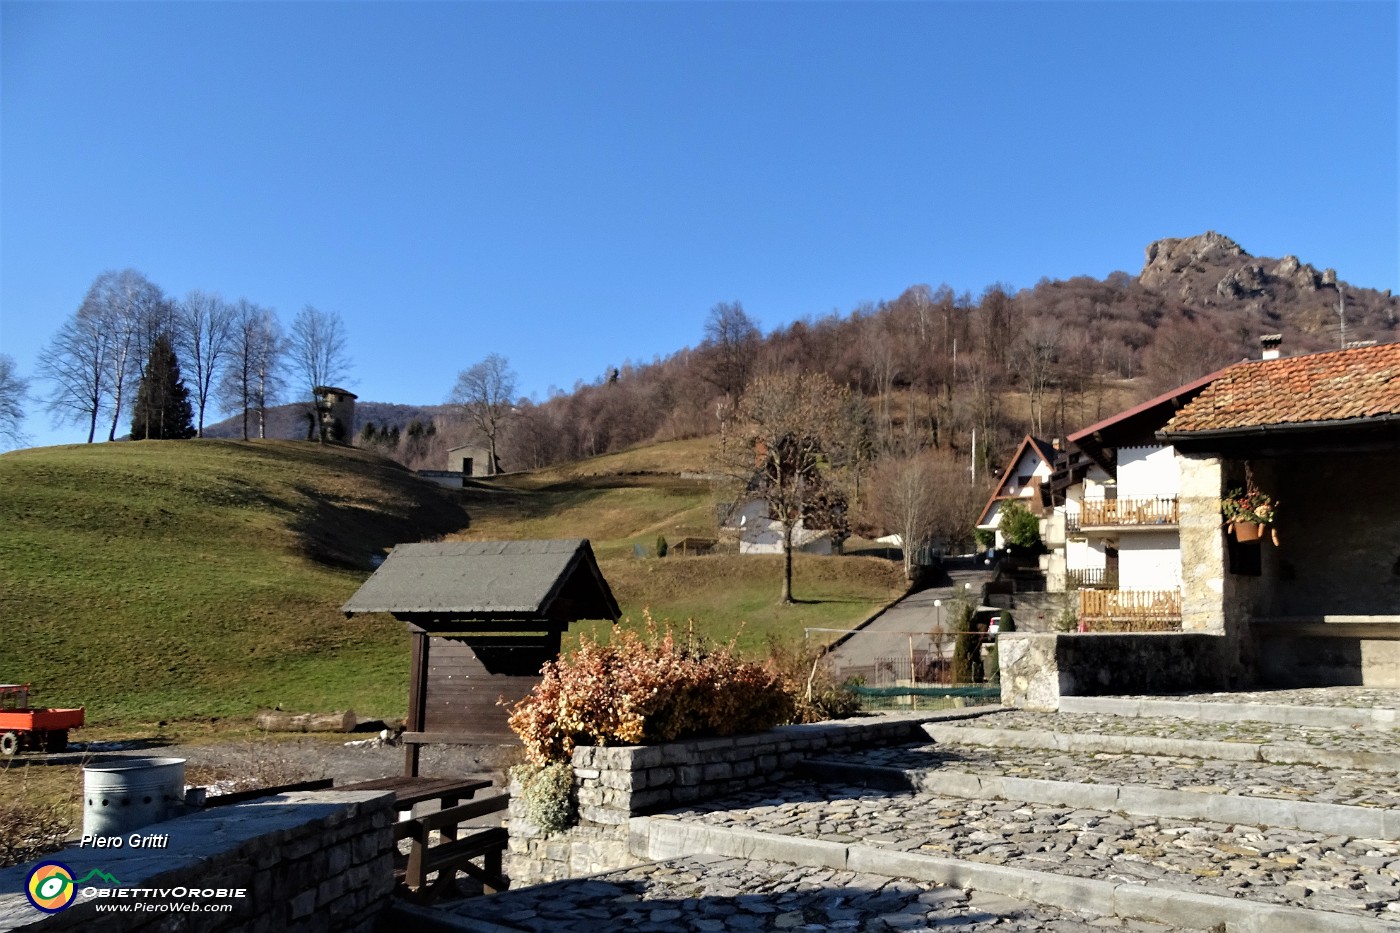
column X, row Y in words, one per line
column 927, row 697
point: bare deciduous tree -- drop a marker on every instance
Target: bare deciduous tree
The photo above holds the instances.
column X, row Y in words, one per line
column 13, row 391
column 204, row 339
column 730, row 348
column 903, row 500
column 253, row 377
column 485, row 391
column 76, row 362
column 318, row 356
column 1034, row 353
column 794, row 426
column 131, row 310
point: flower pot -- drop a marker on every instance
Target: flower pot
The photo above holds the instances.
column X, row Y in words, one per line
column 1247, row 531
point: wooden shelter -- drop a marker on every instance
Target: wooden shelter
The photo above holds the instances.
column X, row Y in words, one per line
column 484, row 617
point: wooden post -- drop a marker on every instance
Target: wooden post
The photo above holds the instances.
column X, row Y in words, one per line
column 417, row 699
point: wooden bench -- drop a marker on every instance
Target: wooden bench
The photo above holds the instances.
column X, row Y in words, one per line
column 451, row 854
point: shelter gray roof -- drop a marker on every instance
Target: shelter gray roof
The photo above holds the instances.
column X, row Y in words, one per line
column 482, row 580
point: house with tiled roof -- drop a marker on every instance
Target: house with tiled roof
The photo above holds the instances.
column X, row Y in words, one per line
column 1112, row 527
column 1318, row 599
column 1020, row 481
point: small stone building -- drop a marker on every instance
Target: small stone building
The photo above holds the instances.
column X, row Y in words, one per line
column 336, row 409
column 471, row 460
column 484, row 617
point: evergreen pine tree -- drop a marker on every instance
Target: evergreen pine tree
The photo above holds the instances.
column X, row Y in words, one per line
column 162, row 409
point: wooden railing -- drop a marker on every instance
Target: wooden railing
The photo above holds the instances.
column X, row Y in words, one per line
column 1091, row 578
column 1129, row 610
column 1137, row 510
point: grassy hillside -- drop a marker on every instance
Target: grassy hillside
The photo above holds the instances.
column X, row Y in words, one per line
column 179, row 580
column 624, row 500
column 188, row 580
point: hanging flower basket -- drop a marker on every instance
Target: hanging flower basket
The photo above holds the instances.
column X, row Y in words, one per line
column 1246, row 531
column 1247, row 511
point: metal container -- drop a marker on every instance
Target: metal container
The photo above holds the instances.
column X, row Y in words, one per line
column 123, row 795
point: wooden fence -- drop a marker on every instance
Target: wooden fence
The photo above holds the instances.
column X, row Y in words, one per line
column 1133, row 511
column 1130, row 610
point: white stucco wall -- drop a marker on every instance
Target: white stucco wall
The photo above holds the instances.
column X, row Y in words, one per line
column 1147, row 471
column 1149, row 560
column 1082, row 554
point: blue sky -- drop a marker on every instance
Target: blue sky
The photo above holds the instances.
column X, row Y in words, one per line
column 575, row 185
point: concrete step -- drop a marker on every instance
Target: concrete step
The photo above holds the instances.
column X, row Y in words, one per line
column 1219, row 709
column 1369, row 750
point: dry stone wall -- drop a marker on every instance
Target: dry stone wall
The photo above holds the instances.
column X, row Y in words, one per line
column 612, row 785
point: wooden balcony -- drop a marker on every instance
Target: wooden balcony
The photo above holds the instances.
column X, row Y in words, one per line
column 1130, row 610
column 1134, row 512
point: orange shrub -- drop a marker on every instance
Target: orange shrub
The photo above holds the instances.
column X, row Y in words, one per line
column 636, row 691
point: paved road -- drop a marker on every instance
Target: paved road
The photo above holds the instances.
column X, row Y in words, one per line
column 916, row 614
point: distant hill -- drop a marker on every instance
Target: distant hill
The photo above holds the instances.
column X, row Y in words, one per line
column 172, row 580
column 937, row 366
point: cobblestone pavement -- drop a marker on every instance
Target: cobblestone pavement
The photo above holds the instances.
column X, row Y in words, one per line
column 1345, row 697
column 1208, row 776
column 713, row 894
column 1254, row 732
column 1276, row 866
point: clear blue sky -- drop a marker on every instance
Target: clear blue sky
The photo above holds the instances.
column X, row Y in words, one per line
column 575, row 185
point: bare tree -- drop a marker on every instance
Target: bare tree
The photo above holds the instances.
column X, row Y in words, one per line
column 76, row 362
column 318, row 356
column 253, row 377
column 13, row 391
column 903, row 499
column 1034, row 352
column 485, row 391
column 730, row 348
column 131, row 311
column 205, row 338
column 793, row 426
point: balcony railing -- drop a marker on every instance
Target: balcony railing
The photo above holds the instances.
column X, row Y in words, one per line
column 1136, row 511
column 1093, row 578
column 1129, row 610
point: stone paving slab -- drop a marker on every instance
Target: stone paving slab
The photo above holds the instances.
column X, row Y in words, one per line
column 1301, row 869
column 1339, row 786
column 1366, row 749
column 717, row 894
column 1209, row 802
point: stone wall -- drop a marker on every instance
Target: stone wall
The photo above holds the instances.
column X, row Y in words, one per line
column 612, row 785
column 1038, row 669
column 309, row 861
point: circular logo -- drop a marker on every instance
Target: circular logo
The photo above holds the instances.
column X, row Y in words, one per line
column 50, row 887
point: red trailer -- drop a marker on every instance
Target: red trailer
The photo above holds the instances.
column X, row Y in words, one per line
column 24, row 727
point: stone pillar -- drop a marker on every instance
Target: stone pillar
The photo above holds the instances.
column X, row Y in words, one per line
column 1213, row 600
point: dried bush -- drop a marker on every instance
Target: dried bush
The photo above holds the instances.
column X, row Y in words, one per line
column 547, row 792
column 807, row 677
column 29, row 830
column 640, row 690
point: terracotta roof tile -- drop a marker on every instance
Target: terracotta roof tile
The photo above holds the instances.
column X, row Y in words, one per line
column 1359, row 383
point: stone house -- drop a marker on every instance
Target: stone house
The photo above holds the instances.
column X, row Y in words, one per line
column 1320, row 433
column 336, row 409
column 471, row 460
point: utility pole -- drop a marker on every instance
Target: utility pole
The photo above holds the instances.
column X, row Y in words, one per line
column 1342, row 311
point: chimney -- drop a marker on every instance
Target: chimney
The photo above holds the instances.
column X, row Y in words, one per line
column 1269, row 343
